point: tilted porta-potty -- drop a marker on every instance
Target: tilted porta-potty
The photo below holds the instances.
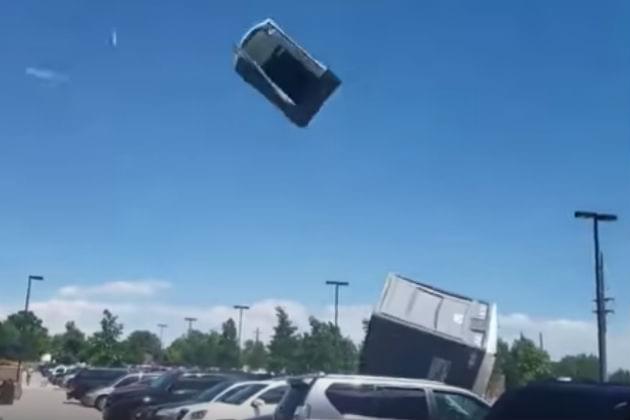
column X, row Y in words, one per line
column 285, row 73
column 419, row 331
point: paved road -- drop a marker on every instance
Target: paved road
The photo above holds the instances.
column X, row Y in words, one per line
column 46, row 403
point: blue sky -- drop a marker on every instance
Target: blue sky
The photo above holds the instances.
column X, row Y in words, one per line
column 462, row 139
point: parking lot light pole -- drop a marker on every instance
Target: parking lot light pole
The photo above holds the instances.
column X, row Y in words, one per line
column 28, row 290
column 162, row 327
column 600, row 299
column 337, row 284
column 240, row 309
column 26, row 305
column 190, row 321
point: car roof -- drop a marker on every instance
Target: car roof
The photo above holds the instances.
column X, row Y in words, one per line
column 578, row 387
column 385, row 380
column 263, row 381
column 580, row 401
column 375, row 378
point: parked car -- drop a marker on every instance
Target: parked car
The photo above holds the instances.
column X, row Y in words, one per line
column 258, row 398
column 87, row 379
column 560, row 400
column 169, row 387
column 56, row 373
column 336, row 397
column 70, row 373
column 97, row 397
column 170, row 410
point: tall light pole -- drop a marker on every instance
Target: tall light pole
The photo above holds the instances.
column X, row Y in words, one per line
column 162, row 327
column 600, row 299
column 240, row 309
column 190, row 321
column 26, row 304
column 28, row 290
column 337, row 284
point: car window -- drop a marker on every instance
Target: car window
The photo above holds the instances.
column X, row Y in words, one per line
column 197, row 384
column 104, row 374
column 379, row 401
column 212, row 392
column 454, row 406
column 292, row 399
column 162, row 381
column 273, row 396
column 242, row 395
column 228, row 393
column 126, row 381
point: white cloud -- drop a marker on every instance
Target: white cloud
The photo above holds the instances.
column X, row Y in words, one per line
column 128, row 289
column 127, row 300
column 47, row 75
column 85, row 306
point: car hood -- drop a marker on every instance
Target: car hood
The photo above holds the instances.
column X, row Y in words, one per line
column 215, row 409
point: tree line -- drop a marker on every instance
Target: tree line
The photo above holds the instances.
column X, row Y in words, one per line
column 523, row 361
column 322, row 348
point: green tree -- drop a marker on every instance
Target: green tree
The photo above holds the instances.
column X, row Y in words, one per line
column 254, row 355
column 620, row 376
column 194, row 349
column 70, row 346
column 105, row 348
column 325, row 349
column 502, row 359
column 229, row 354
column 284, row 347
column 9, row 341
column 524, row 363
column 579, row 367
column 32, row 336
column 142, row 347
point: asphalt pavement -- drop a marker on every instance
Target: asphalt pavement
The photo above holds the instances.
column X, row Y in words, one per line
column 42, row 401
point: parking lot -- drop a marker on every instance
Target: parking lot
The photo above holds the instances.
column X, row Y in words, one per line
column 46, row 403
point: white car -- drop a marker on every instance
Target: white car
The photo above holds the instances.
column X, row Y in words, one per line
column 258, row 398
column 338, row 397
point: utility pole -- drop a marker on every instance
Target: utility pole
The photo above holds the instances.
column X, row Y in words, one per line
column 190, row 321
column 600, row 298
column 337, row 284
column 240, row 309
column 540, row 341
column 162, row 327
column 257, row 333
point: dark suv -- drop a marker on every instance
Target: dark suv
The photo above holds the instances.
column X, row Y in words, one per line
column 170, row 387
column 557, row 400
column 87, row 379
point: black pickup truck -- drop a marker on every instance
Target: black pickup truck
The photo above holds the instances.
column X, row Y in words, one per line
column 89, row 378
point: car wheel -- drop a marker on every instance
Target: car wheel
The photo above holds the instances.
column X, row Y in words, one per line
column 100, row 402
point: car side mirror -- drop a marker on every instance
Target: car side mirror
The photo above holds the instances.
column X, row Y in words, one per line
column 257, row 403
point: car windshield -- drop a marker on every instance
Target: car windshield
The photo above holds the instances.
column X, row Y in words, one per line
column 210, row 393
column 161, row 381
column 241, row 395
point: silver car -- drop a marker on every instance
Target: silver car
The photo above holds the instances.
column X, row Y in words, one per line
column 338, row 397
column 97, row 397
